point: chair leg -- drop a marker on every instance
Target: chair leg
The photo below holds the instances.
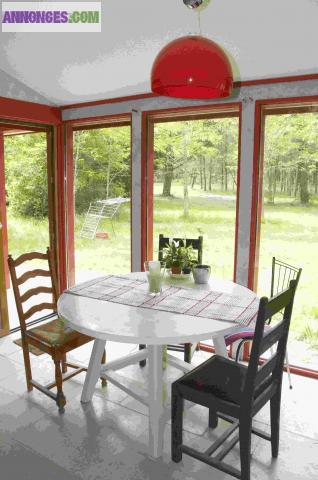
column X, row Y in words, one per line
column 27, row 364
column 245, row 432
column 238, row 350
column 187, row 352
column 177, row 403
column 60, row 397
column 64, row 365
column 213, row 418
column 288, row 370
column 103, row 380
column 275, row 417
column 142, row 363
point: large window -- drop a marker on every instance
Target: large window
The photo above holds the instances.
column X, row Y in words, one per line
column 289, row 221
column 194, row 186
column 26, row 206
column 101, row 168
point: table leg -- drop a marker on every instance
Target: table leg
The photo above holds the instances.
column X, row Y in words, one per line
column 93, row 371
column 219, row 345
column 156, row 403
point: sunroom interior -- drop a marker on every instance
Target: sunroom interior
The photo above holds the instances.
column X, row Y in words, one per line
column 96, row 166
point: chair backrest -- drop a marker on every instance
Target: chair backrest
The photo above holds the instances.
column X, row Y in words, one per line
column 282, row 274
column 197, row 245
column 27, row 275
column 269, row 375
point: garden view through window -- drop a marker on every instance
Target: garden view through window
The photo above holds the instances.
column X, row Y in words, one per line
column 195, row 183
column 289, row 223
column 25, row 158
column 102, row 201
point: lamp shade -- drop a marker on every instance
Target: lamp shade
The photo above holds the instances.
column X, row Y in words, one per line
column 192, row 67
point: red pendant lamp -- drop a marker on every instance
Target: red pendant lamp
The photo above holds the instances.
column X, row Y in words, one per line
column 192, row 67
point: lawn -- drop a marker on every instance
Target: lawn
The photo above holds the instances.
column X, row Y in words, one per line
column 288, row 231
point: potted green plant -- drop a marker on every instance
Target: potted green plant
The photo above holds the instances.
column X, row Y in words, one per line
column 189, row 259
column 178, row 258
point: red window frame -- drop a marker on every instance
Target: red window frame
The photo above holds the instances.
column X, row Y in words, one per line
column 70, row 127
column 149, row 118
column 263, row 108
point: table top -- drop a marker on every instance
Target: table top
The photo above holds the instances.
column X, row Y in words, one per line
column 127, row 324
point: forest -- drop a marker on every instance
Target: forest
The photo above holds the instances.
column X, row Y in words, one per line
column 195, row 154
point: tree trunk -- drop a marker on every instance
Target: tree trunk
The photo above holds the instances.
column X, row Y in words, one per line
column 194, row 177
column 108, row 178
column 296, row 182
column 271, row 194
column 303, row 185
column 204, row 175
column 167, row 182
column 210, row 175
column 185, row 198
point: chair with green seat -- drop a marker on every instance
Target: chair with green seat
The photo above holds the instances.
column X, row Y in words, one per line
column 53, row 337
column 282, row 273
column 197, row 245
column 236, row 392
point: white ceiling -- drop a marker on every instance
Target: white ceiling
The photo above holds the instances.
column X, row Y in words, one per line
column 264, row 38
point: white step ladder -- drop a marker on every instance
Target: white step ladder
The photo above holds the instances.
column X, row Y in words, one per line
column 96, row 212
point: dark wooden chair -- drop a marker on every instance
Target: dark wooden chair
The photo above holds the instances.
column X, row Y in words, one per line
column 53, row 337
column 236, row 392
column 282, row 273
column 197, row 245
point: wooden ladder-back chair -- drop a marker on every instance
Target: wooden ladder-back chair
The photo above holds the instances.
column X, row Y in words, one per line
column 53, row 337
column 197, row 245
column 236, row 392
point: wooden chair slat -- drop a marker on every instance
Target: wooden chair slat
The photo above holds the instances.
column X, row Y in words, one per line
column 33, row 273
column 266, row 369
column 38, row 308
column 29, row 256
column 277, row 303
column 32, row 336
column 272, row 337
column 35, row 291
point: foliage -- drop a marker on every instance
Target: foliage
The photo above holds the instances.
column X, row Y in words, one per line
column 291, row 156
column 177, row 255
column 26, row 174
column 102, row 165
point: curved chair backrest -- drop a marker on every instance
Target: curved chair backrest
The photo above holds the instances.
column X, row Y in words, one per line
column 282, row 274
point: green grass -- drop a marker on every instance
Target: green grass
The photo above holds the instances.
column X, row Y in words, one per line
column 288, row 232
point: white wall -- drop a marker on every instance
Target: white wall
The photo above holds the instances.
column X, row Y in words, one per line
column 14, row 89
column 246, row 95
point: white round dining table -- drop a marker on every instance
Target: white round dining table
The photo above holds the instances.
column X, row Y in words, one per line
column 106, row 320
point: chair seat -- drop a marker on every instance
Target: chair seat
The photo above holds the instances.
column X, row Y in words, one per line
column 56, row 334
column 243, row 333
column 221, row 377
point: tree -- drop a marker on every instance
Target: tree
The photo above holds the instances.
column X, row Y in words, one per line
column 26, row 174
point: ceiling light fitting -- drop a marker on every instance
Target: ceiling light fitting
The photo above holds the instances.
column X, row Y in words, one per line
column 192, row 67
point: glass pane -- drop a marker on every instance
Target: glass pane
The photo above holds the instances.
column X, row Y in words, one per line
column 25, row 157
column 195, row 174
column 102, row 201
column 289, row 223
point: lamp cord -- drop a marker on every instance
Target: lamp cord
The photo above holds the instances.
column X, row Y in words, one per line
column 199, row 22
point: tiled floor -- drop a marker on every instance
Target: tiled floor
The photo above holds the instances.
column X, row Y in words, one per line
column 108, row 438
